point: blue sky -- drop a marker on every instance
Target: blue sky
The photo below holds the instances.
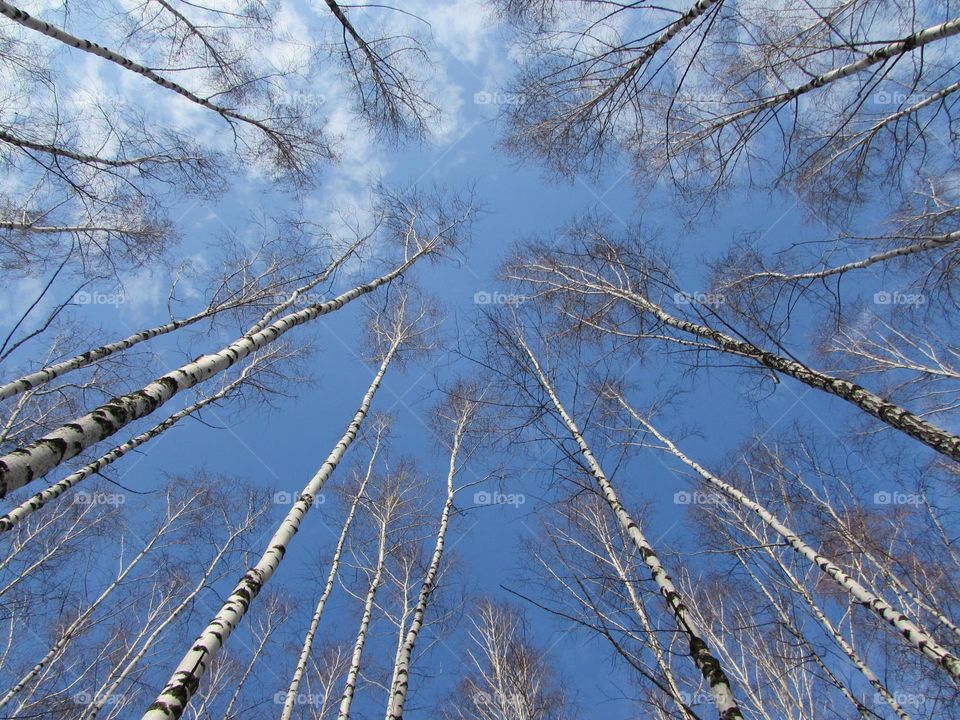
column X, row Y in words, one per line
column 282, row 447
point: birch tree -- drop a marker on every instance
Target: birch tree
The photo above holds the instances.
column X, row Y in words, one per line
column 238, row 285
column 709, row 95
column 288, row 139
column 243, row 285
column 381, row 426
column 913, row 634
column 612, row 277
column 460, row 413
column 233, row 531
column 388, row 502
column 509, row 677
column 713, row 675
column 32, row 462
column 259, row 364
column 179, row 511
column 403, row 327
column 388, row 93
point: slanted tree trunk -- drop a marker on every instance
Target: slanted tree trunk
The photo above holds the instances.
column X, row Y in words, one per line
column 560, row 276
column 68, row 634
column 175, row 695
column 51, row 372
column 130, row 661
column 34, row 461
column 20, row 17
column 400, row 680
column 913, row 42
column 353, row 673
column 37, row 501
column 919, row 639
column 291, row 696
column 702, row 657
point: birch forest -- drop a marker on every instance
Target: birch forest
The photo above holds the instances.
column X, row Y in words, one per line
column 480, row 360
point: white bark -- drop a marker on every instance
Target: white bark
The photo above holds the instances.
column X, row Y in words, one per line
column 913, row 248
column 175, row 695
column 37, row 501
column 913, row 634
column 704, row 659
column 581, row 280
column 24, row 19
column 266, row 630
column 400, row 681
column 123, row 669
column 68, row 634
column 908, row 44
column 33, row 461
column 638, row 608
column 350, row 686
column 291, row 698
column 46, row 374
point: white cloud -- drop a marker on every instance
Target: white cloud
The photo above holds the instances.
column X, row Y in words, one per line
column 462, row 28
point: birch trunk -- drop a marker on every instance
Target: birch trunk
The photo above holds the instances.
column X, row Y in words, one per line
column 916, row 41
column 792, row 628
column 51, row 372
column 559, row 276
column 350, row 686
column 844, row 531
column 35, row 460
column 399, row 683
column 83, row 158
column 649, row 51
column 704, row 659
column 76, row 626
column 173, row 698
column 20, row 17
column 914, row 635
column 893, row 415
column 845, row 646
column 636, row 602
column 109, row 687
column 291, row 697
column 912, row 249
column 37, row 501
